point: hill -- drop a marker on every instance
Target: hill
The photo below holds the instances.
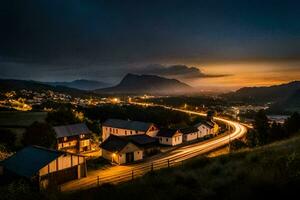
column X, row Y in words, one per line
column 276, row 93
column 16, row 85
column 81, row 84
column 150, row 84
column 290, row 104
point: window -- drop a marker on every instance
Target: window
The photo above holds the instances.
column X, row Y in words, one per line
column 125, row 132
column 131, row 132
column 65, row 138
column 136, row 132
column 167, row 139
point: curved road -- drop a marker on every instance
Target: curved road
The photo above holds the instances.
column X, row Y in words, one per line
column 118, row 174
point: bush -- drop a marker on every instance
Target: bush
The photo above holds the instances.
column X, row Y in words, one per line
column 7, row 139
column 237, row 144
column 40, row 134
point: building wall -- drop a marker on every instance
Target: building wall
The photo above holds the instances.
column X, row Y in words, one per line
column 120, row 157
column 106, row 131
column 172, row 141
column 138, row 155
column 204, row 130
column 190, row 137
column 152, row 131
column 177, row 139
column 109, row 156
column 62, row 162
column 64, row 168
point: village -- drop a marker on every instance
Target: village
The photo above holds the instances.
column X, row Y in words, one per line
column 123, row 142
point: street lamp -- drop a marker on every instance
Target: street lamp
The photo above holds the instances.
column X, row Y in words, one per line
column 112, row 157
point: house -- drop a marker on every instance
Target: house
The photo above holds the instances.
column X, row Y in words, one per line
column 120, row 150
column 169, row 137
column 74, row 138
column 44, row 167
column 120, row 127
column 189, row 133
column 148, row 144
column 207, row 128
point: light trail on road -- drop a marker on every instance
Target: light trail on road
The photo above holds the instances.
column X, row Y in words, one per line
column 117, row 174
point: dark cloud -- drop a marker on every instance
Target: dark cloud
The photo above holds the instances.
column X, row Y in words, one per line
column 94, row 38
column 177, row 71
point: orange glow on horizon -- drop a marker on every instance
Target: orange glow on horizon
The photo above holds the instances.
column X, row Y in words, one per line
column 243, row 74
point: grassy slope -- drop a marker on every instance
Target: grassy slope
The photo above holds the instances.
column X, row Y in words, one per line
column 270, row 171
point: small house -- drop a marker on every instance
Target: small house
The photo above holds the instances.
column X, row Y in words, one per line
column 74, row 138
column 170, row 137
column 189, row 134
column 207, row 128
column 120, row 150
column 120, row 127
column 44, row 167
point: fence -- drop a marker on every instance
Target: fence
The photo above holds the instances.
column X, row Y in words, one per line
column 135, row 172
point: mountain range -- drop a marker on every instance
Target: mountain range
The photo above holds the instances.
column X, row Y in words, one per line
column 273, row 93
column 16, row 85
column 284, row 97
column 150, row 84
column 81, row 84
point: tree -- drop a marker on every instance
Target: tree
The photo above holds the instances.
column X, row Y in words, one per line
column 7, row 139
column 252, row 138
column 237, row 144
column 62, row 116
column 210, row 114
column 276, row 132
column 40, row 134
column 261, row 126
column 292, row 124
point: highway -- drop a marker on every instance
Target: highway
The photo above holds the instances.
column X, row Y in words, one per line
column 117, row 174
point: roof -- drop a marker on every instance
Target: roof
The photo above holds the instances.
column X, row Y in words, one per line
column 28, row 161
column 140, row 140
column 127, row 124
column 209, row 124
column 71, row 130
column 167, row 132
column 189, row 130
column 114, row 143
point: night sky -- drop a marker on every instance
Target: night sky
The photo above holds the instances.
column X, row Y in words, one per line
column 204, row 43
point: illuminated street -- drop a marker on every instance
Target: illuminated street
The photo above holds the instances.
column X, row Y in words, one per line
column 118, row 174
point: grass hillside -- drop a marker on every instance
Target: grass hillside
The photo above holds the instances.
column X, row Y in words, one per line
column 270, row 171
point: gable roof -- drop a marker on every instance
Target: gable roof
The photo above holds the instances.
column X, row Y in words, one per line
column 114, row 143
column 28, row 161
column 189, row 130
column 71, row 130
column 167, row 132
column 209, row 124
column 140, row 140
column 127, row 124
